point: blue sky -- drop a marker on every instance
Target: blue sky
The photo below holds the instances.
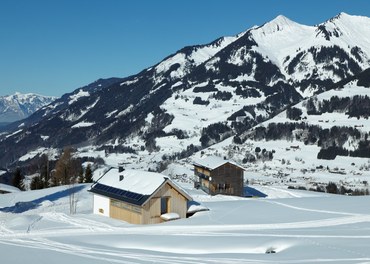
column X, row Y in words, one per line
column 52, row 47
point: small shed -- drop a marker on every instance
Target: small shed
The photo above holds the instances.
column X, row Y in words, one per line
column 5, row 188
column 216, row 175
column 139, row 197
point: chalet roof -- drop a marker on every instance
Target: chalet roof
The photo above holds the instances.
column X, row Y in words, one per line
column 213, row 162
column 142, row 182
column 135, row 187
column 8, row 188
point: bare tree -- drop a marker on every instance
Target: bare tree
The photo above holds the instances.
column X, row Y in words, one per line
column 73, row 198
column 66, row 167
column 67, row 170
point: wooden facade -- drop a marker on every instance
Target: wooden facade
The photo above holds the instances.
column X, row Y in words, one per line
column 125, row 212
column 225, row 179
column 139, row 197
column 167, row 198
column 150, row 212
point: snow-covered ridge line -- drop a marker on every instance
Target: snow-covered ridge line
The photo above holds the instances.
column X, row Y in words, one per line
column 18, row 106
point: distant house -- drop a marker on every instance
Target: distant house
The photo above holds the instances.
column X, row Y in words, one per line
column 219, row 176
column 4, row 188
column 139, row 197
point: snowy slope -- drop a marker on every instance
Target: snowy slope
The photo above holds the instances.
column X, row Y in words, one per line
column 189, row 57
column 200, row 95
column 275, row 38
column 295, row 148
column 281, row 37
column 327, row 119
column 35, row 227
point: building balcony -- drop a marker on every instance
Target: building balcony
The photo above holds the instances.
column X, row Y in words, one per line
column 201, row 175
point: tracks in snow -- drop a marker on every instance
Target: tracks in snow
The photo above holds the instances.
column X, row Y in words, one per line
column 79, row 222
column 118, row 255
column 78, row 225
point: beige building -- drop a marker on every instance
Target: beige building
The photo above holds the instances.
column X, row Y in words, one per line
column 139, row 197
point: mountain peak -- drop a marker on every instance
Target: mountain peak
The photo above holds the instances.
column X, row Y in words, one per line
column 281, row 19
column 342, row 25
column 279, row 23
column 343, row 17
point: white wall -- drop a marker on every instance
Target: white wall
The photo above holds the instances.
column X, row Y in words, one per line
column 101, row 203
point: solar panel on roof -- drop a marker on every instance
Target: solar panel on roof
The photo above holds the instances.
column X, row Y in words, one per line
column 129, row 195
column 99, row 187
column 118, row 193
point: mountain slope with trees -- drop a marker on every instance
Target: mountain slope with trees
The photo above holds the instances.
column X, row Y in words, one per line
column 198, row 96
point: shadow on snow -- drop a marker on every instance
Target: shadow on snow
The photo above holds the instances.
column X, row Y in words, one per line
column 251, row 192
column 21, row 207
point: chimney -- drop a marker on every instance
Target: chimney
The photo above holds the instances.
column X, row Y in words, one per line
column 121, row 177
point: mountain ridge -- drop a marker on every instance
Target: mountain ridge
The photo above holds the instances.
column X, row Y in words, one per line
column 19, row 106
column 197, row 96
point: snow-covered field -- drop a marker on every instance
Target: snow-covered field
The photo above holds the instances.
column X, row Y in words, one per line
column 299, row 226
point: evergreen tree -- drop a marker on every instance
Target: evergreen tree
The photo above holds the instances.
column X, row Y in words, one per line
column 294, row 113
column 81, row 176
column 37, row 183
column 44, row 171
column 332, row 188
column 18, row 179
column 88, row 174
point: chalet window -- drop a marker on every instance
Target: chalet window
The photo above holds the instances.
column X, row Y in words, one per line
column 223, row 186
column 165, row 205
column 101, row 210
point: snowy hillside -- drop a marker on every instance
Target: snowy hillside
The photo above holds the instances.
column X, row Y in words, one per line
column 198, row 96
column 19, row 106
column 319, row 140
column 288, row 102
column 301, row 227
column 310, row 43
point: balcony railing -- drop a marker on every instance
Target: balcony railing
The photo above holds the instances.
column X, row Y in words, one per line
column 201, row 175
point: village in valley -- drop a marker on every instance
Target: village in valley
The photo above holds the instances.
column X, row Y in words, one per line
column 251, row 148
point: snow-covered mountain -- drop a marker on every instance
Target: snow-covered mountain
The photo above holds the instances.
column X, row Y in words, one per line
column 19, row 106
column 201, row 94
